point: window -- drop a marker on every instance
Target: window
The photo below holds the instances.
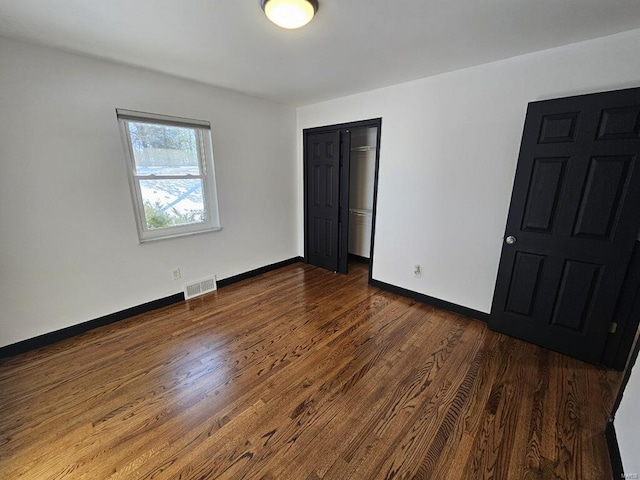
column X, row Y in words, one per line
column 170, row 166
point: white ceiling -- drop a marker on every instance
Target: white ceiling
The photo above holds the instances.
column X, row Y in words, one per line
column 351, row 45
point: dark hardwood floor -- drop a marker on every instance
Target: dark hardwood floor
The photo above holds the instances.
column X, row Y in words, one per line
column 302, row 374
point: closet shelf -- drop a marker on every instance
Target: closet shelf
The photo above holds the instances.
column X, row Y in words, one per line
column 361, row 212
column 366, row 148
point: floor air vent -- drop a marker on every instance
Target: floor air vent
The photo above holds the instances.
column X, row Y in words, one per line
column 200, row 287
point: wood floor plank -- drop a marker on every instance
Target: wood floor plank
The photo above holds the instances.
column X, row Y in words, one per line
column 451, row 466
column 301, row 374
column 493, row 446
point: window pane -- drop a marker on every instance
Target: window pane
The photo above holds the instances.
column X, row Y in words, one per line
column 168, row 203
column 163, row 149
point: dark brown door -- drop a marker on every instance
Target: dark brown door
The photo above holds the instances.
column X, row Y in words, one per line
column 572, row 223
column 325, row 190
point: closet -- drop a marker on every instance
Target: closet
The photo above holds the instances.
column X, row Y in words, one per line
column 340, row 168
column 361, row 183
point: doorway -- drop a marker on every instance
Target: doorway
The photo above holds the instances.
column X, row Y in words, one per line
column 340, row 192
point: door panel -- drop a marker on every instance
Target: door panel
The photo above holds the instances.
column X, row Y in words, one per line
column 574, row 218
column 541, row 205
column 526, row 275
column 607, row 178
column 576, row 295
column 323, row 198
column 345, row 164
column 558, row 128
column 619, row 123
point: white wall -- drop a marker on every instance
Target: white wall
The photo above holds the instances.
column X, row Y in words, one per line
column 69, row 250
column 449, row 149
column 627, row 425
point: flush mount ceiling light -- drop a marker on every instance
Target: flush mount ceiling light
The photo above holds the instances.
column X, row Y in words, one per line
column 290, row 13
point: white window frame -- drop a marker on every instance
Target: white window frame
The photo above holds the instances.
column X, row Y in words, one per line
column 202, row 131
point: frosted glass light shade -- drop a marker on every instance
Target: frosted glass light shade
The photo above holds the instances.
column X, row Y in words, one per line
column 290, row 13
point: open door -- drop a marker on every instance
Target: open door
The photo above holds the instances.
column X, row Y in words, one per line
column 572, row 223
column 327, row 197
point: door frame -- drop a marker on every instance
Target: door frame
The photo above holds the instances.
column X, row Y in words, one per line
column 344, row 180
column 627, row 317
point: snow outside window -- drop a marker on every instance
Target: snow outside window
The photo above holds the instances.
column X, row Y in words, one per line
column 170, row 166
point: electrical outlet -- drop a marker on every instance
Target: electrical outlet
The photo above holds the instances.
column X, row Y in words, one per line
column 175, row 273
column 417, row 271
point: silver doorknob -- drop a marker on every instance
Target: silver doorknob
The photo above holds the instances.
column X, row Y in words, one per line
column 510, row 240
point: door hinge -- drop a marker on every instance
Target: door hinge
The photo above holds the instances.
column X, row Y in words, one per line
column 613, row 326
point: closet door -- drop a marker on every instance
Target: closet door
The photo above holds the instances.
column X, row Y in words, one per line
column 343, row 214
column 322, row 159
column 327, row 174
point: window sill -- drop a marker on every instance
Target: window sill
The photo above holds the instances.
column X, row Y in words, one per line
column 178, row 235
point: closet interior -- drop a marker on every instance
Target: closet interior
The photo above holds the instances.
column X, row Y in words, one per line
column 361, row 186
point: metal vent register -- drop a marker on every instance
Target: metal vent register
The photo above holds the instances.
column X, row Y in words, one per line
column 200, row 287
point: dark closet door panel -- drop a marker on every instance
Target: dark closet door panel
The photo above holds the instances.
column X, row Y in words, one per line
column 323, row 199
